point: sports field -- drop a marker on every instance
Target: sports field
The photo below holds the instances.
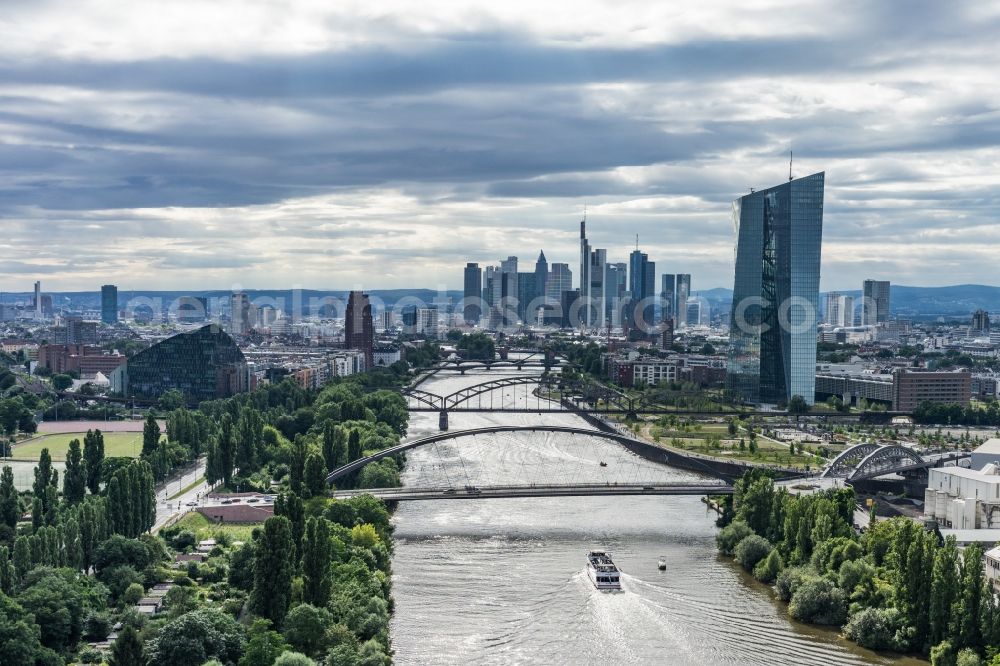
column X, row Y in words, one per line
column 116, row 444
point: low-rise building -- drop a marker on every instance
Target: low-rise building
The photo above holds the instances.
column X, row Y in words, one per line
column 911, row 387
column 963, row 499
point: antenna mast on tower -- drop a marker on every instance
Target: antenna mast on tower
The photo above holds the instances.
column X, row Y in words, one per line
column 790, row 155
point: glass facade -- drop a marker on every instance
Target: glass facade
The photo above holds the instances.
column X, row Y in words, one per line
column 772, row 353
column 203, row 365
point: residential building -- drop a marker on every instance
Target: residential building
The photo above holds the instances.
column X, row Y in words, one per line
column 109, row 304
column 472, row 309
column 772, row 351
column 875, row 302
column 359, row 330
column 980, row 323
column 427, row 322
column 75, row 331
column 86, row 360
column 203, row 365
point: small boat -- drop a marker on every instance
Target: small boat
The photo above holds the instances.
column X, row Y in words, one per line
column 604, row 464
column 661, row 564
column 602, row 571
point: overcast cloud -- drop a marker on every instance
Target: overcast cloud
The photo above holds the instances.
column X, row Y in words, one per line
column 198, row 145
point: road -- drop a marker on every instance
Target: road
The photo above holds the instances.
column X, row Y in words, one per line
column 167, row 508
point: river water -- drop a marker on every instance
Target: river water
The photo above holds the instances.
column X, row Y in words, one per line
column 503, row 581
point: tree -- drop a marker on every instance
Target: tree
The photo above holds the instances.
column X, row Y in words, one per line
column 966, row 631
column 170, row 400
column 334, row 445
column 264, row 646
column 944, row 587
column 20, row 637
column 249, row 431
column 127, row 650
column 316, row 554
column 751, row 550
column 226, row 449
column 290, row 506
column 798, row 405
column 196, row 637
column 61, row 382
column 875, row 628
column 305, row 628
column 273, row 569
column 150, row 436
column 294, row 659
column 315, row 475
column 818, row 601
column 93, row 456
column 75, row 476
column 354, row 445
column 56, row 600
column 767, row 569
column 44, row 476
column 10, row 502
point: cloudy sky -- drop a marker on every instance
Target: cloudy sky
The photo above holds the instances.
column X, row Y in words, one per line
column 382, row 144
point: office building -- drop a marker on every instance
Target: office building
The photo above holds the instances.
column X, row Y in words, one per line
column 38, row 299
column 190, row 309
column 875, row 302
column 839, row 309
column 473, row 293
column 109, row 304
column 560, row 280
column 616, row 286
column 681, row 296
column 668, row 286
column 584, row 265
column 541, row 278
column 980, row 323
column 427, row 323
column 772, row 351
column 642, row 287
column 204, row 364
column 359, row 330
column 596, row 306
column 911, row 387
column 240, row 320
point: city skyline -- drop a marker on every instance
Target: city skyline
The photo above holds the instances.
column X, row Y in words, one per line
column 342, row 148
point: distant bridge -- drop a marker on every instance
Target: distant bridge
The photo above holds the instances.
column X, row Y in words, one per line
column 544, row 490
column 870, row 460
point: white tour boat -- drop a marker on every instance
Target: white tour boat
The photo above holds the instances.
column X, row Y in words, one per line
column 602, row 571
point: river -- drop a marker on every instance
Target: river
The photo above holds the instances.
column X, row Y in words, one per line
column 503, row 581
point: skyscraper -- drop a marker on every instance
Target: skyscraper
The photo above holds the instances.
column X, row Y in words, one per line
column 615, row 287
column 680, row 299
column 839, row 309
column 875, row 302
column 642, row 287
column 596, row 307
column 359, row 330
column 560, row 280
column 667, row 295
column 109, row 304
column 473, row 293
column 38, row 299
column 584, row 262
column 541, row 276
column 240, row 315
column 772, row 351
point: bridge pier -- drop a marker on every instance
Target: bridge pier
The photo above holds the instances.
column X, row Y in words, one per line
column 443, row 420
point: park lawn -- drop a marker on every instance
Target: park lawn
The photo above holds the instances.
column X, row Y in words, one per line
column 116, row 445
column 206, row 529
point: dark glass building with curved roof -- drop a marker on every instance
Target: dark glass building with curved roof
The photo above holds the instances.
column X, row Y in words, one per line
column 203, row 365
column 772, row 335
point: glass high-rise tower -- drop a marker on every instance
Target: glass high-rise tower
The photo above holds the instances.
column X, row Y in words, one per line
column 772, row 351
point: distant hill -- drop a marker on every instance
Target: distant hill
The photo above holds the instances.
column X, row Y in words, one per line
column 957, row 301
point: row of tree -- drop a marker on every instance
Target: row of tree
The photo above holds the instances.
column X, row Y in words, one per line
column 898, row 587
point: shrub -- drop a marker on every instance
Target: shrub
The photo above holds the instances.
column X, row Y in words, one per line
column 853, row 572
column 293, row 659
column 968, row 657
column 789, row 580
column 767, row 569
column 751, row 550
column 874, row 628
column 943, row 654
column 818, row 601
column 730, row 535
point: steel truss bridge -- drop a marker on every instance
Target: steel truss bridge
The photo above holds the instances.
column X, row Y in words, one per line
column 623, row 485
column 870, row 460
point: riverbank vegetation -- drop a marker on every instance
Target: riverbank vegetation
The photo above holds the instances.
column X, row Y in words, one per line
column 897, row 587
column 84, row 580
